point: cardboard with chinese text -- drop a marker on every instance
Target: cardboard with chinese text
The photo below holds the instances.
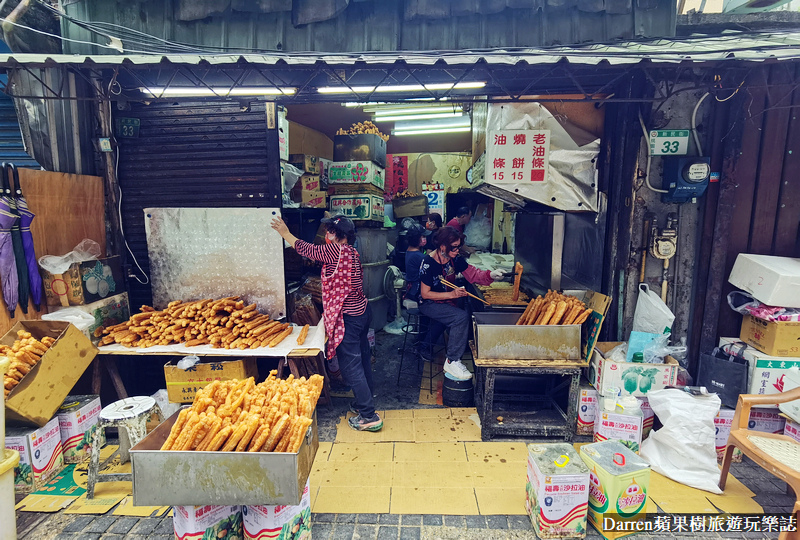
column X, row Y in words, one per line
column 648, row 416
column 766, row 420
column 632, row 378
column 616, row 426
column 358, row 207
column 517, row 156
column 182, row 385
column 84, row 282
column 206, row 522
column 792, row 429
column 587, row 409
column 767, row 373
column 279, row 522
column 556, row 491
column 77, row 420
column 40, row 455
column 356, row 172
column 722, row 425
column 775, row 338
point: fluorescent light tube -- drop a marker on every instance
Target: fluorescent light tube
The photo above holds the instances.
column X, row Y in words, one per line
column 461, row 121
column 434, row 131
column 412, row 117
column 399, row 88
column 383, row 112
column 219, row 91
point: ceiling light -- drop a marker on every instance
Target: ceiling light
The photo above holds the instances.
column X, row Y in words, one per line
column 462, row 129
column 412, row 117
column 399, row 88
column 157, row 92
column 385, row 111
column 457, row 122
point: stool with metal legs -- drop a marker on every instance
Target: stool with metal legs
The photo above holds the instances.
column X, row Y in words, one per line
column 129, row 416
column 417, row 327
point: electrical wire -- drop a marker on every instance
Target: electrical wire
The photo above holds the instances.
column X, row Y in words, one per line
column 694, row 124
column 649, row 158
column 122, row 228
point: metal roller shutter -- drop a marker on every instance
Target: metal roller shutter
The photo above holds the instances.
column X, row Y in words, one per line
column 190, row 154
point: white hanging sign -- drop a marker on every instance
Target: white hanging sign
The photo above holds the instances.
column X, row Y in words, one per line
column 517, row 156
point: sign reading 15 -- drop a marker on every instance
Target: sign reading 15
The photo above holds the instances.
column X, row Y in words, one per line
column 517, row 175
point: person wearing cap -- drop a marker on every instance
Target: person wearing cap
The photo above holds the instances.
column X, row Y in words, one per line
column 416, row 237
column 440, row 303
column 347, row 312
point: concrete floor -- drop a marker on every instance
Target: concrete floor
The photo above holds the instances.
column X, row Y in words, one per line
column 771, row 493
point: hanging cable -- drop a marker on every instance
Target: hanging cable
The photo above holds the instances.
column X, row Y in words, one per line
column 122, row 228
column 694, row 125
column 649, row 158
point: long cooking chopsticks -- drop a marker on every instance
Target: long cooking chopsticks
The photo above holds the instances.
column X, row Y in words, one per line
column 445, row 282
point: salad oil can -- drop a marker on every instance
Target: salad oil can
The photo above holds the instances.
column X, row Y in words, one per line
column 618, row 485
column 557, row 491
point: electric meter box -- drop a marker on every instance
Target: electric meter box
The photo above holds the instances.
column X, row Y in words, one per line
column 685, row 178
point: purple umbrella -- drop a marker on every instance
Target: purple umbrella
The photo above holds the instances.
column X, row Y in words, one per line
column 26, row 217
column 8, row 266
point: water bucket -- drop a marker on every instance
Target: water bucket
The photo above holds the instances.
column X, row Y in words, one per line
column 8, row 519
column 457, row 393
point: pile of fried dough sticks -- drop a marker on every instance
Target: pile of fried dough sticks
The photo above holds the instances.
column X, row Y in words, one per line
column 555, row 308
column 22, row 355
column 239, row 416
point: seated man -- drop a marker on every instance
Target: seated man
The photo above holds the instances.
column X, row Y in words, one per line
column 416, row 237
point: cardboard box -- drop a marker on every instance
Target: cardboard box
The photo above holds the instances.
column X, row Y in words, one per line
column 283, row 134
column 84, row 283
column 624, row 428
column 182, row 385
column 40, row 455
column 415, row 171
column 410, row 206
column 771, row 337
column 556, row 491
column 109, row 312
column 310, row 182
column 361, row 147
column 587, row 409
column 35, row 400
column 314, row 199
column 774, row 281
column 201, row 522
column 722, row 423
column 356, row 172
column 77, row 421
column 358, row 207
column 305, row 162
column 630, row 377
column 766, row 372
column 792, row 429
column 304, row 140
column 355, row 189
column 766, row 420
column 282, row 522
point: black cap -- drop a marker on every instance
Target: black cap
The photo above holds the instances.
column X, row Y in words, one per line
column 342, row 224
column 415, row 233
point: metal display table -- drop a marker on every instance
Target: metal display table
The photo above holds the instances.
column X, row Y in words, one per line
column 535, row 414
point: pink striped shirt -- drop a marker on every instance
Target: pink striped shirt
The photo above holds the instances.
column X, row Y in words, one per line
column 328, row 255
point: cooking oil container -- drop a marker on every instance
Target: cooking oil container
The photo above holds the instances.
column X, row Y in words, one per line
column 557, row 491
column 618, row 484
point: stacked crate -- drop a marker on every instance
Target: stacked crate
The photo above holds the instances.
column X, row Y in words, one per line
column 308, row 191
column 357, row 175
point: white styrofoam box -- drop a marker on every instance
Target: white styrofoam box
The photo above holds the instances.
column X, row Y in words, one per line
column 767, row 373
column 774, row 281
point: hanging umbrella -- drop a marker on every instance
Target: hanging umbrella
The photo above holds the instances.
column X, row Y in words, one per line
column 19, row 250
column 26, row 217
column 8, row 269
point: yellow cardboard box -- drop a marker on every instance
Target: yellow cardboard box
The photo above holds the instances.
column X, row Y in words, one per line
column 35, row 400
column 314, row 199
column 770, row 337
column 182, row 385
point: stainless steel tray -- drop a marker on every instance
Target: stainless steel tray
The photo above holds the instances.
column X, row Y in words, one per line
column 172, row 478
column 498, row 337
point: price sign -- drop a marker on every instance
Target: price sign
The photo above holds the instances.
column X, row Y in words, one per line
column 127, row 128
column 435, row 194
column 517, row 156
column 669, row 142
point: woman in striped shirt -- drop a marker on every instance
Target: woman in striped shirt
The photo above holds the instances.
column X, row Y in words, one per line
column 347, row 313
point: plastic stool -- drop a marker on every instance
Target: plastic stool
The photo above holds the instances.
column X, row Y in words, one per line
column 129, row 416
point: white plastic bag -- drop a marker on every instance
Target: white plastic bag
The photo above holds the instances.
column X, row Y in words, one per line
column 684, row 449
column 651, row 315
column 79, row 318
column 87, row 250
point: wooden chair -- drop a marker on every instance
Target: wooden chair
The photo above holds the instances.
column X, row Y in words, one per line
column 778, row 454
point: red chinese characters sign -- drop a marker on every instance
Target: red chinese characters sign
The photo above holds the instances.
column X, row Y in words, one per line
column 517, row 156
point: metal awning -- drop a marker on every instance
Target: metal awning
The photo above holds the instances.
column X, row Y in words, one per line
column 732, row 46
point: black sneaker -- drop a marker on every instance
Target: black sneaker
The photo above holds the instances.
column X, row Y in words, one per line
column 358, row 423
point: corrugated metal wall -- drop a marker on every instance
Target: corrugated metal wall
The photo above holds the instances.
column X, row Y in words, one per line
column 756, row 206
column 190, row 154
column 11, row 147
column 378, row 26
